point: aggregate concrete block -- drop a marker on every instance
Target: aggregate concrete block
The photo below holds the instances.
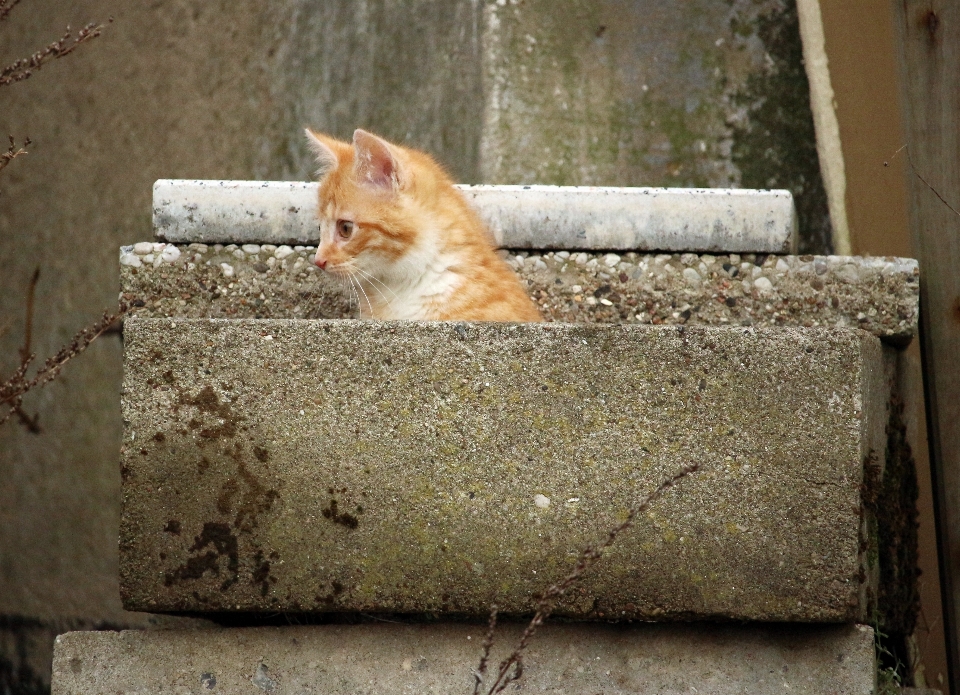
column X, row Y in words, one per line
column 388, row 659
column 280, row 465
column 522, row 217
column 879, row 295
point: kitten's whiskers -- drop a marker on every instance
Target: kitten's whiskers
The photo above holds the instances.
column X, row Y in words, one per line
column 345, row 281
column 372, row 279
column 360, row 287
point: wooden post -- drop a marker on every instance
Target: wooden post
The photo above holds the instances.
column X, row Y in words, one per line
column 929, row 48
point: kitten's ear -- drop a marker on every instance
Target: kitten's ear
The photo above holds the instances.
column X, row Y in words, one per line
column 376, row 161
column 325, row 148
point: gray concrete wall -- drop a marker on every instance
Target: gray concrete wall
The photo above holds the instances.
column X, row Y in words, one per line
column 157, row 95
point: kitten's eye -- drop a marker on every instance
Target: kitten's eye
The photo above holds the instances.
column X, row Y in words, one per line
column 344, row 229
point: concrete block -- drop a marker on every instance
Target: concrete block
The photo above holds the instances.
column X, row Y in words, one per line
column 522, row 217
column 389, row 658
column 879, row 295
column 26, row 645
column 281, row 465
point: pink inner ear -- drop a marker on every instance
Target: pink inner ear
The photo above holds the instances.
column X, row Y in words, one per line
column 374, row 161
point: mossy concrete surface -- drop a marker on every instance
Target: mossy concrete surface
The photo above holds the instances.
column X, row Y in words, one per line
column 282, row 465
column 694, row 94
column 395, row 659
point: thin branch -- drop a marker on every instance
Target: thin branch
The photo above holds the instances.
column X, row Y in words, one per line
column 14, row 388
column 485, row 656
column 28, row 321
column 5, row 7
column 13, row 152
column 547, row 602
column 31, row 423
column 24, row 68
column 925, row 182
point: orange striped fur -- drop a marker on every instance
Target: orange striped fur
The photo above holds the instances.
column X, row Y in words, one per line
column 407, row 243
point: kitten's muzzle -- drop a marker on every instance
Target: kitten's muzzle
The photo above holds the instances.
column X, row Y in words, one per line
column 321, row 263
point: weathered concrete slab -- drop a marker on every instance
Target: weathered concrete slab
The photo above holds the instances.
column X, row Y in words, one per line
column 433, row 467
column 388, row 659
column 879, row 295
column 26, row 645
column 521, row 217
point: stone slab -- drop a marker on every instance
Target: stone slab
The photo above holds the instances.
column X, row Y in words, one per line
column 522, row 217
column 879, row 295
column 388, row 658
column 315, row 466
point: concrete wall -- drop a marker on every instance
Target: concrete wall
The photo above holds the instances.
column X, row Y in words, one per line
column 153, row 97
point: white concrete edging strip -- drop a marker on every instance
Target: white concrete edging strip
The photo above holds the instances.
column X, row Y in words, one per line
column 520, row 217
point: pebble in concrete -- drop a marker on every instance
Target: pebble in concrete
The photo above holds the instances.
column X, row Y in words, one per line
column 538, row 217
column 392, row 659
column 406, row 467
column 879, row 295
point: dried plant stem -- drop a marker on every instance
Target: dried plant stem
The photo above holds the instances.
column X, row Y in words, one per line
column 25, row 67
column 13, row 152
column 5, row 7
column 31, row 423
column 17, row 385
column 28, row 321
column 548, row 600
column 923, row 180
column 485, row 656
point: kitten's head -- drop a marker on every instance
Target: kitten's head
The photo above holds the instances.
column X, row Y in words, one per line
column 371, row 203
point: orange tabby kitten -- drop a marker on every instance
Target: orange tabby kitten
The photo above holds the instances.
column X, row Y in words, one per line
column 393, row 225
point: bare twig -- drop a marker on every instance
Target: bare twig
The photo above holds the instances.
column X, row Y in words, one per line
column 24, row 68
column 485, row 656
column 31, row 423
column 511, row 668
column 28, row 321
column 5, row 7
column 13, row 152
column 925, row 182
column 17, row 385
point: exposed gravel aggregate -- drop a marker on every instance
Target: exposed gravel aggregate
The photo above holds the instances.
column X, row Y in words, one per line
column 877, row 294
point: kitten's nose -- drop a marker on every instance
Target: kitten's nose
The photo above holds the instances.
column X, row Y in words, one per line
column 321, row 263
